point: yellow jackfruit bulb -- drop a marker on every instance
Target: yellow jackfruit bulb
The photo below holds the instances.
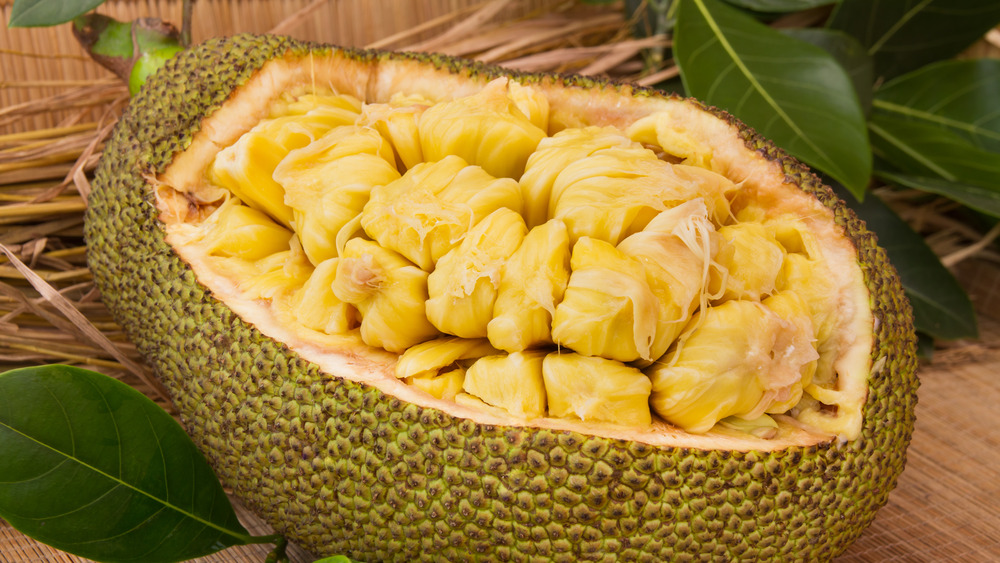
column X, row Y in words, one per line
column 343, row 108
column 444, row 385
column 596, row 390
column 795, row 352
column 512, row 382
column 676, row 249
column 812, row 280
column 463, row 286
column 531, row 103
column 439, row 354
column 731, row 360
column 277, row 274
column 672, row 137
column 714, row 188
column 390, row 293
column 553, row 155
column 428, row 210
column 486, row 129
column 328, row 182
column 532, row 283
column 750, row 260
column 397, row 122
column 762, row 427
column 438, row 366
column 608, row 308
column 246, row 167
column 316, row 307
column 794, row 236
column 615, row 192
column 243, row 232
column 806, row 272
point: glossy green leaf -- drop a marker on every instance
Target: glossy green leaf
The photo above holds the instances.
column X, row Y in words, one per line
column 925, row 346
column 779, row 6
column 41, row 13
column 94, row 468
column 903, row 35
column 848, row 53
column 985, row 200
column 335, row 559
column 925, row 149
column 790, row 91
column 941, row 308
column 962, row 96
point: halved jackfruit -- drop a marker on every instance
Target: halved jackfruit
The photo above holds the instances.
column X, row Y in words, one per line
column 318, row 434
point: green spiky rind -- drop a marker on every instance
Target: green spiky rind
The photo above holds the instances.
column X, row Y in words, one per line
column 342, row 468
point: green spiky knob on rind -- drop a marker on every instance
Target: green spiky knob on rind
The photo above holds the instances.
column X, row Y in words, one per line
column 342, row 468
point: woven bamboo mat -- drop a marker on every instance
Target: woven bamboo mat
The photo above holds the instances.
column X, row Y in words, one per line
column 946, row 506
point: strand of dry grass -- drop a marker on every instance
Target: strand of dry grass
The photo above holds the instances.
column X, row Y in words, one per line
column 78, row 104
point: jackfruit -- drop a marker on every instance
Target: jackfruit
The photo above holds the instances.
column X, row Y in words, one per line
column 555, row 153
column 427, row 212
column 438, row 366
column 532, row 281
column 397, row 121
column 513, row 382
column 315, row 305
column 597, row 389
column 608, row 308
column 750, row 260
column 246, row 168
column 318, row 434
column 327, row 184
column 464, row 284
column 243, row 232
column 490, row 129
column 390, row 293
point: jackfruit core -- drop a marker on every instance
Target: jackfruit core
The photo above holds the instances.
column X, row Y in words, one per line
column 513, row 258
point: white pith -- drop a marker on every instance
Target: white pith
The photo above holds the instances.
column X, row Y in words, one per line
column 182, row 187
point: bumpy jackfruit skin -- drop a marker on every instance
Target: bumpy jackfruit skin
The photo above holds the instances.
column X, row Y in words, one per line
column 341, row 467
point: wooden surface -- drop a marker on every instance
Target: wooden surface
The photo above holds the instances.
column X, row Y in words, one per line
column 946, row 506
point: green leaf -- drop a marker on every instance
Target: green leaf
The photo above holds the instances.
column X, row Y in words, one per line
column 335, row 559
column 94, row 468
column 791, row 92
column 925, row 346
column 42, row 13
column 903, row 35
column 961, row 96
column 848, row 53
column 941, row 308
column 779, row 6
column 985, row 200
column 926, row 149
